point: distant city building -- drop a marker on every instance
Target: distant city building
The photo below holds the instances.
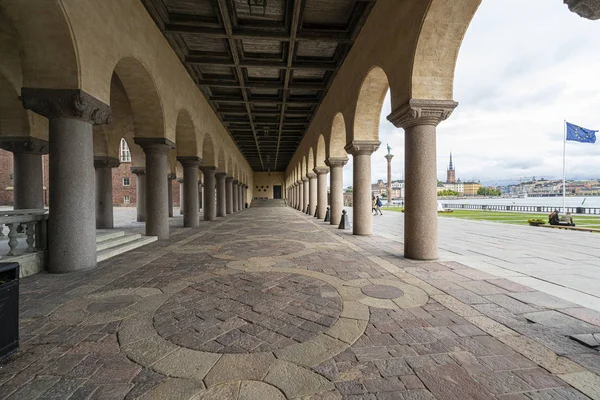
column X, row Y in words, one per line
column 471, row 188
column 450, row 173
column 380, row 189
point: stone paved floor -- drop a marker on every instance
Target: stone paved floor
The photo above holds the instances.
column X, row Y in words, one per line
column 271, row 304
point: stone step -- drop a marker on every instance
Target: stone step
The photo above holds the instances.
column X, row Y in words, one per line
column 107, row 234
column 125, row 247
column 117, row 241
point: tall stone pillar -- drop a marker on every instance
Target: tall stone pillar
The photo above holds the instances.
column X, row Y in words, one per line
column 72, row 225
column 306, row 190
column 293, row 191
column 190, row 164
column 241, row 196
column 209, row 203
column 236, row 193
column 419, row 118
column 245, row 201
column 336, row 184
column 170, row 178
column 389, row 157
column 27, row 170
column 140, row 192
column 157, row 196
column 300, row 194
column 361, row 151
column 181, row 195
column 321, row 191
column 312, row 193
column 200, row 196
column 104, row 190
column 229, row 195
column 221, row 194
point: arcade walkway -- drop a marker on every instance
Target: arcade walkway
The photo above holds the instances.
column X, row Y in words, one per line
column 271, row 304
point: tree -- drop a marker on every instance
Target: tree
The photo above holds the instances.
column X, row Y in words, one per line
column 447, row 192
column 487, row 191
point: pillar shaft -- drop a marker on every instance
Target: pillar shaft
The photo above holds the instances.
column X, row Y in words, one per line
column 336, row 186
column 157, row 197
column 306, row 189
column 245, row 197
column 140, row 192
column 321, row 191
column 361, row 194
column 229, row 195
column 300, row 195
column 209, row 203
column 241, row 196
column 221, row 194
column 419, row 119
column 389, row 178
column 72, row 225
column 181, row 195
column 190, row 190
column 29, row 186
column 170, row 179
column 104, row 190
column 312, row 192
column 236, row 193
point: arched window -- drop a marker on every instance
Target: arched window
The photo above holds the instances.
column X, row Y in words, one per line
column 125, row 154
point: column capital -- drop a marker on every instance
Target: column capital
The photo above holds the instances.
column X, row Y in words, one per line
column 208, row 170
column 304, row 179
column 422, row 112
column 138, row 170
column 66, row 103
column 171, row 176
column 229, row 179
column 189, row 161
column 221, row 175
column 299, row 182
column 311, row 175
column 106, row 162
column 589, row 9
column 389, row 157
column 235, row 181
column 336, row 161
column 246, row 186
column 24, row 144
column 362, row 147
column 240, row 184
column 158, row 145
column 321, row 170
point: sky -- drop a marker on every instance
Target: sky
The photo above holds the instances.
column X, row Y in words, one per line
column 523, row 68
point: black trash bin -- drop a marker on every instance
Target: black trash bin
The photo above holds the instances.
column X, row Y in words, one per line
column 9, row 308
column 579, row 210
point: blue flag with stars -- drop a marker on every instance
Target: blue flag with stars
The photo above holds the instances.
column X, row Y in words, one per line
column 580, row 134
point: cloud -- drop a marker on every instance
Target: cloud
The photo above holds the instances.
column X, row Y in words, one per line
column 519, row 75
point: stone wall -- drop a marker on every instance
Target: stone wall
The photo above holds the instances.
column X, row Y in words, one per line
column 6, row 182
column 264, row 182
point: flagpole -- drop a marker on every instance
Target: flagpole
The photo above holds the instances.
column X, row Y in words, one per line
column 564, row 166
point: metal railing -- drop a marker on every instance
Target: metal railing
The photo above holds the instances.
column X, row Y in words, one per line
column 521, row 208
column 32, row 222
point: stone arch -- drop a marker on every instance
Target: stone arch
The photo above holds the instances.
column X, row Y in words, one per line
column 146, row 105
column 208, row 152
column 436, row 51
column 303, row 167
column 311, row 159
column 337, row 138
column 47, row 47
column 185, row 135
column 13, row 117
column 230, row 166
column 369, row 104
column 320, row 155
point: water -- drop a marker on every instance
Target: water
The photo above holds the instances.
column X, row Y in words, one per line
column 575, row 201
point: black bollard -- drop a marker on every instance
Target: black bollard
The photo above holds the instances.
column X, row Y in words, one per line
column 327, row 216
column 316, row 211
column 345, row 222
column 308, row 209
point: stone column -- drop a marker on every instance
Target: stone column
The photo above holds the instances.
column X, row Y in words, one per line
column 293, row 195
column 336, row 184
column 389, row 177
column 170, row 178
column 27, row 170
column 300, row 194
column 72, row 225
column 209, row 203
column 306, row 189
column 321, row 191
column 361, row 151
column 181, row 195
column 245, row 200
column 241, row 196
column 157, row 196
column 312, row 193
column 221, row 194
column 190, row 164
column 140, row 192
column 236, row 203
column 419, row 118
column 200, row 196
column 229, row 195
column 104, row 200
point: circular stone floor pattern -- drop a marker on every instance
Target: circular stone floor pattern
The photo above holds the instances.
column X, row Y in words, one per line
column 248, row 313
column 382, row 291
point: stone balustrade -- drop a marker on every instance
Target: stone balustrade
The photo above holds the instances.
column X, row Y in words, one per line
column 34, row 224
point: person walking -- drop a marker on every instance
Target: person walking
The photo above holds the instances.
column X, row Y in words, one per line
column 378, row 205
column 373, row 205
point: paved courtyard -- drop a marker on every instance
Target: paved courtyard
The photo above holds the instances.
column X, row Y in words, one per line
column 269, row 303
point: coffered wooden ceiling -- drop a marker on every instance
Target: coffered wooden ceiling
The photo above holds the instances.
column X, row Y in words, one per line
column 264, row 70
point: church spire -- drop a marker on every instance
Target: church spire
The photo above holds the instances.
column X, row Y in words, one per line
column 451, row 167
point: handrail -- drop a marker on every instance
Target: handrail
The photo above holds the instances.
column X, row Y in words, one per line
column 35, row 225
column 522, row 208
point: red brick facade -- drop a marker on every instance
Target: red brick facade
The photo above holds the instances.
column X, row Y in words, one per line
column 119, row 190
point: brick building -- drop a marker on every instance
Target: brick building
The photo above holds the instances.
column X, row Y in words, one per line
column 123, row 181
